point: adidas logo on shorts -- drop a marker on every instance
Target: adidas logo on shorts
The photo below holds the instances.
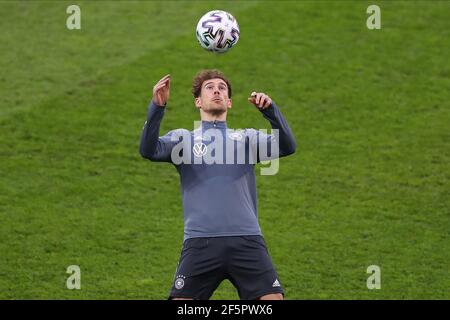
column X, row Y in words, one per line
column 276, row 283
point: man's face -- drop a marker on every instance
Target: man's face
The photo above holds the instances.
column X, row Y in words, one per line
column 214, row 97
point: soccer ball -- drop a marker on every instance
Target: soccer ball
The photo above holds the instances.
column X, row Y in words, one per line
column 217, row 31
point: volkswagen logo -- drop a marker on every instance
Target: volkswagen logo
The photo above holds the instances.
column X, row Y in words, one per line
column 199, row 149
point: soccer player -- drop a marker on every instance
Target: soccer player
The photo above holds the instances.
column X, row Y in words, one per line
column 222, row 236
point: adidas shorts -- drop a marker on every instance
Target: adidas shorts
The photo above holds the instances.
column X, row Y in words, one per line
column 206, row 262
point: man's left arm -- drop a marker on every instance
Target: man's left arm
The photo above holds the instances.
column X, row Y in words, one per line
column 286, row 140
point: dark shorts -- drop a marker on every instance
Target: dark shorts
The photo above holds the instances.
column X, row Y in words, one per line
column 206, row 262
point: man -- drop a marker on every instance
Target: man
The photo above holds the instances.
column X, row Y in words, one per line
column 222, row 237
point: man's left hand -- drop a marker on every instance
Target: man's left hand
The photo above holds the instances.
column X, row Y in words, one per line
column 260, row 100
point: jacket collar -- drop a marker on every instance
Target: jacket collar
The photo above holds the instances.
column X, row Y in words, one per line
column 214, row 124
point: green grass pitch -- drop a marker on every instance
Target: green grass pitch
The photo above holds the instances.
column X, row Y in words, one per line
column 368, row 185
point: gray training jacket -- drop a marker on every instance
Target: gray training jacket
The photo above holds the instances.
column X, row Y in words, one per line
column 216, row 167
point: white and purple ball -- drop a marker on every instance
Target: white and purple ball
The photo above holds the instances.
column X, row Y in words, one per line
column 217, row 31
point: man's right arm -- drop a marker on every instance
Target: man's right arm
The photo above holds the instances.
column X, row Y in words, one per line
column 152, row 146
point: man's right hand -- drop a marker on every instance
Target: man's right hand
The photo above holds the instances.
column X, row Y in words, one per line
column 161, row 91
